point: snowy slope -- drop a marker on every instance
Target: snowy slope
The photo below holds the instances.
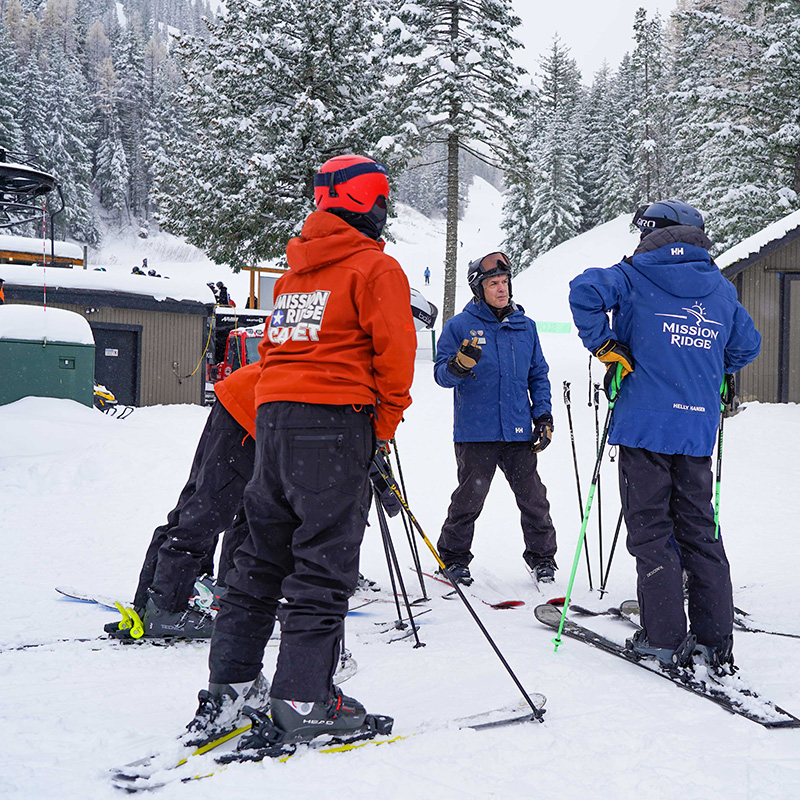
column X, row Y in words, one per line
column 81, row 494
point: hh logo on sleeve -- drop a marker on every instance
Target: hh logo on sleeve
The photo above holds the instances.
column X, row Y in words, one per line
column 297, row 316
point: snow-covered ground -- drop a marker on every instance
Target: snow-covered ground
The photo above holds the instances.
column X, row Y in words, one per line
column 82, row 492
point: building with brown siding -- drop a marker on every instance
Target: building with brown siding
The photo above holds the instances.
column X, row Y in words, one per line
column 765, row 269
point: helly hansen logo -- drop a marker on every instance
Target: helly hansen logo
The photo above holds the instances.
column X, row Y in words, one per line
column 518, row 430
column 677, row 251
column 297, row 316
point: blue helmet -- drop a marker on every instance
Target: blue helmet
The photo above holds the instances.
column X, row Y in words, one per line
column 665, row 213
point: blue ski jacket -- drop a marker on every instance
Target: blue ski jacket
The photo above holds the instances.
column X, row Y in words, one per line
column 510, row 387
column 685, row 327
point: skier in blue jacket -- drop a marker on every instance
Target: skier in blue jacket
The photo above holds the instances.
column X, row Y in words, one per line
column 677, row 328
column 491, row 356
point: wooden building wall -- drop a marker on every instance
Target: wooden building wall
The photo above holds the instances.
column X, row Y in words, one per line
column 166, row 338
column 769, row 289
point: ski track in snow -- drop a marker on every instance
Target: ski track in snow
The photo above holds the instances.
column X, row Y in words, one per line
column 82, row 493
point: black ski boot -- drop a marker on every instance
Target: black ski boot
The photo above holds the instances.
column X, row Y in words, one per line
column 668, row 658
column 221, row 707
column 459, row 573
column 719, row 657
column 544, row 571
column 191, row 623
column 366, row 585
column 207, row 594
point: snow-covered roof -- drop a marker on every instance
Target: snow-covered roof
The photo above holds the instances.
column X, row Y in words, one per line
column 36, row 324
column 754, row 243
column 158, row 288
column 25, row 244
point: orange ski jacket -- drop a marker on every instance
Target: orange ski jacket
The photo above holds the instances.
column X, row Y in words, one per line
column 341, row 331
column 237, row 393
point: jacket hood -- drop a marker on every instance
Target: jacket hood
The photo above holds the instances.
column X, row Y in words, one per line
column 326, row 239
column 676, row 259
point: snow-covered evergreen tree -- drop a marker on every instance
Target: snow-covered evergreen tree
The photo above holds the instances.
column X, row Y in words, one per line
column 554, row 209
column 133, row 112
column 10, row 130
column 458, row 56
column 65, row 143
column 606, row 148
column 272, row 93
column 111, row 175
column 649, row 125
column 749, row 158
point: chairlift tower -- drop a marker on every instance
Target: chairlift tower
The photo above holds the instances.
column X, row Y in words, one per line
column 23, row 187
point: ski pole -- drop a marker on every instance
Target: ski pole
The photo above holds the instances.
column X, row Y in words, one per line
column 595, row 476
column 611, row 554
column 412, row 542
column 538, row 714
column 723, row 391
column 599, row 487
column 568, row 403
column 391, row 560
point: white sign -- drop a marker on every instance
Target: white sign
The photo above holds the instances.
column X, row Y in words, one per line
column 112, row 351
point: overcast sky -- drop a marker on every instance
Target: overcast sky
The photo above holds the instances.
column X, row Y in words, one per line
column 593, row 30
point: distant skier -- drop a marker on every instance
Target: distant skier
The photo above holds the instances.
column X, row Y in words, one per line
column 491, row 356
column 427, row 275
column 674, row 313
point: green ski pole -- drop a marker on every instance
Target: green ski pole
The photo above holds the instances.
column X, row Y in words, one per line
column 595, row 476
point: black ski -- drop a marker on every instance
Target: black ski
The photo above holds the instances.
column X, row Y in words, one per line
column 630, row 610
column 722, row 690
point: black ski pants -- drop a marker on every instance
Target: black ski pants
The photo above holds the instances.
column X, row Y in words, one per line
column 477, row 462
column 667, row 504
column 307, row 507
column 210, row 503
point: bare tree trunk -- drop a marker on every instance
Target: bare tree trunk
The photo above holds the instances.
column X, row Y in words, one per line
column 451, row 239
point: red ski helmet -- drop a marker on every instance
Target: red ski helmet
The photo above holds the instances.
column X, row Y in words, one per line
column 350, row 182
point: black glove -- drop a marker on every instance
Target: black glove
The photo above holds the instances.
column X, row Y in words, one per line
column 389, row 500
column 542, row 432
column 612, row 352
column 468, row 355
column 728, row 398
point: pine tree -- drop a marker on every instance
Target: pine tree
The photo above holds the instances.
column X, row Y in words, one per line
column 462, row 80
column 649, row 126
column 518, row 200
column 271, row 94
column 10, row 131
column 111, row 175
column 748, row 150
column 132, row 111
column 544, row 205
column 66, row 141
column 607, row 147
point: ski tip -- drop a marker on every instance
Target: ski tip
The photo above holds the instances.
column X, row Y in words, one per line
column 556, row 601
